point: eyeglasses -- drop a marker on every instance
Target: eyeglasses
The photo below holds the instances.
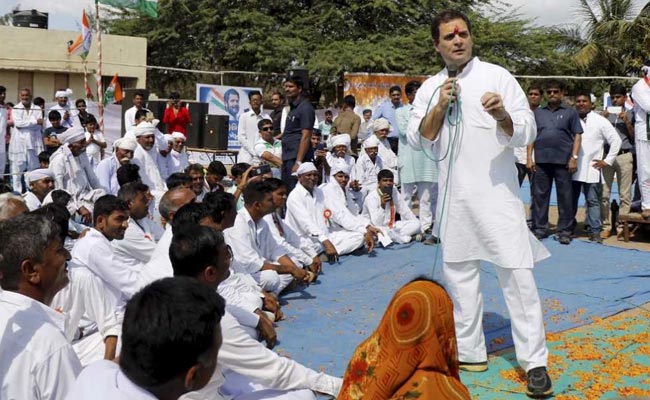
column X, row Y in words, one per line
column 553, row 91
column 268, row 128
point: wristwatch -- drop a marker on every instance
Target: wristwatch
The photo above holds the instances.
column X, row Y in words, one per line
column 574, row 156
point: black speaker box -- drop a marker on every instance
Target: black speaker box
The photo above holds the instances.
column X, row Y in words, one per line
column 195, row 132
column 215, row 132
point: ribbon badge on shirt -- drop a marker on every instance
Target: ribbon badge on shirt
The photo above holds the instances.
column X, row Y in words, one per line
column 327, row 214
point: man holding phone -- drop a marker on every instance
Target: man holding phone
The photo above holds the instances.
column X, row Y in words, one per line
column 267, row 148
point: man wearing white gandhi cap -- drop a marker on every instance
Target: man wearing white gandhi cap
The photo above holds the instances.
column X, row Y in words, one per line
column 177, row 159
column 368, row 165
column 40, row 182
column 73, row 173
column 147, row 157
column 381, row 127
column 63, row 107
column 123, row 149
column 309, row 217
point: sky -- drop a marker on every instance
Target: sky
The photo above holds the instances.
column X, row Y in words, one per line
column 66, row 14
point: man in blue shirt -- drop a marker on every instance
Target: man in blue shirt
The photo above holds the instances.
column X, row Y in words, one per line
column 297, row 130
column 387, row 110
column 559, row 136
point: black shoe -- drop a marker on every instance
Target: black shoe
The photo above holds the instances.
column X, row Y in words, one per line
column 473, row 366
column 564, row 239
column 595, row 237
column 431, row 241
column 539, row 383
column 540, row 235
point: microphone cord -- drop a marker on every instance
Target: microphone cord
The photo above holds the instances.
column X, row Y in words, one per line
column 454, row 117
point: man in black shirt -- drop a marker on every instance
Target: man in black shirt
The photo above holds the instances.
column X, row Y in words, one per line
column 296, row 137
column 277, row 101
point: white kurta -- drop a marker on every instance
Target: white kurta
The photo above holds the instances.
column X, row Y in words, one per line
column 160, row 266
column 399, row 231
column 139, row 243
column 243, row 296
column 288, row 239
column 31, row 201
column 95, row 252
column 596, row 131
column 103, row 380
column 150, row 162
column 3, row 130
column 107, row 175
column 93, row 150
column 76, row 176
column 177, row 162
column 366, row 172
column 248, row 134
column 36, row 359
column 67, row 123
column 484, row 217
column 641, row 96
column 248, row 357
column 26, row 134
column 345, row 215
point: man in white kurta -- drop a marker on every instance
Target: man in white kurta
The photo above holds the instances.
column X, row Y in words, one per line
column 177, row 159
column 147, row 157
column 597, row 130
column 389, row 158
column 247, row 130
column 123, row 149
column 484, row 218
column 73, row 173
column 41, row 182
column 641, row 96
column 4, row 115
column 368, row 165
column 380, row 209
column 307, row 215
column 63, row 108
column 26, row 138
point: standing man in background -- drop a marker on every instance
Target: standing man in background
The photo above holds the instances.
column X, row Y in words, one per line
column 387, row 110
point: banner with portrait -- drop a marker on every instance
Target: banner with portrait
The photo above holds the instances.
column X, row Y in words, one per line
column 226, row 100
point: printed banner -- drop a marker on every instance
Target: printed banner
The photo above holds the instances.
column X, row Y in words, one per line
column 370, row 90
column 226, row 100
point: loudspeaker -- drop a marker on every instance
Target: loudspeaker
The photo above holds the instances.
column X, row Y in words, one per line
column 215, row 132
column 127, row 102
column 195, row 132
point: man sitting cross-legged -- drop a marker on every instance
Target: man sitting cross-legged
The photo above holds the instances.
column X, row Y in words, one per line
column 382, row 206
column 307, row 215
column 255, row 249
column 251, row 370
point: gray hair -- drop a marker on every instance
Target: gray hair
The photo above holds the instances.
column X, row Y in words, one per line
column 24, row 237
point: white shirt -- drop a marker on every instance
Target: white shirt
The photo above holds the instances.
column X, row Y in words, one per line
column 67, row 123
column 93, row 150
column 389, row 158
column 305, row 213
column 73, row 174
column 3, row 127
column 159, row 266
column 88, row 297
column 641, row 96
column 107, row 174
column 129, row 118
column 289, row 240
column 103, row 380
column 246, row 356
column 366, row 171
column 243, row 296
column 150, row 162
column 252, row 243
column 262, row 146
column 344, row 210
column 596, row 131
column 347, row 160
column 248, row 133
column 177, row 162
column 95, row 252
column 36, row 360
column 31, row 201
column 484, row 217
column 27, row 132
column 381, row 216
column 139, row 243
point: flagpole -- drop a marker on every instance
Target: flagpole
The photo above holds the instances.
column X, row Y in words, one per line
column 100, row 97
column 86, row 79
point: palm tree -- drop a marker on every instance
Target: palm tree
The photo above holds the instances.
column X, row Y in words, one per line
column 615, row 36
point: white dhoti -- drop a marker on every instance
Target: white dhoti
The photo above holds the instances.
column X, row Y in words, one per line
column 462, row 281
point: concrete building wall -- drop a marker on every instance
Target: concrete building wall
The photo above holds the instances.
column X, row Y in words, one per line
column 43, row 53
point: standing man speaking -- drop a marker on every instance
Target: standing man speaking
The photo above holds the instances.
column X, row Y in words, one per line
column 483, row 219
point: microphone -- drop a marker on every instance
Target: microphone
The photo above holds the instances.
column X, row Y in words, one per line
column 452, row 72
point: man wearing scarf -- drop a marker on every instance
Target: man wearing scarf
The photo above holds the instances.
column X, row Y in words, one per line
column 41, row 182
column 73, row 173
column 123, row 149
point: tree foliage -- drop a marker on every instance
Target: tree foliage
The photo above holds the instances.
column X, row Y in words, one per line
column 327, row 37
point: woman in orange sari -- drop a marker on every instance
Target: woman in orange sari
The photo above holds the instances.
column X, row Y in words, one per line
column 412, row 354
